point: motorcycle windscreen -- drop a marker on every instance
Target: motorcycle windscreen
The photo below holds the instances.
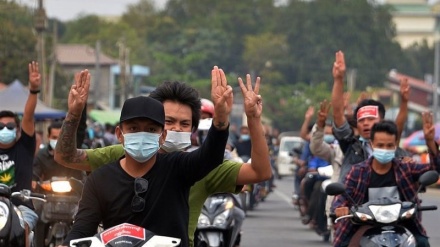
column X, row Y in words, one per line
column 125, row 235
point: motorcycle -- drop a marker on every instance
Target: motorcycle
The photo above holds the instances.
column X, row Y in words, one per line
column 220, row 221
column 12, row 225
column 381, row 220
column 57, row 213
column 126, row 235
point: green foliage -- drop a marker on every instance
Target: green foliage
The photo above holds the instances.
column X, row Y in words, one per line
column 17, row 42
column 284, row 45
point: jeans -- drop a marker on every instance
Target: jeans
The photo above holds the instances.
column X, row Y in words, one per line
column 29, row 216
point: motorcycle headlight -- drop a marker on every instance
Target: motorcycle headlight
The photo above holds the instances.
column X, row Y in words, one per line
column 229, row 204
column 221, row 218
column 363, row 216
column 386, row 214
column 60, row 186
column 408, row 213
column 4, row 214
column 203, row 220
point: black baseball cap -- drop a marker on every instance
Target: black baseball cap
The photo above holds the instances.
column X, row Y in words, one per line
column 143, row 107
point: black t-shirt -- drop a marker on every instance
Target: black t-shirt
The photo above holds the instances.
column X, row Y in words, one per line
column 16, row 165
column 45, row 167
column 109, row 191
column 383, row 185
column 244, row 148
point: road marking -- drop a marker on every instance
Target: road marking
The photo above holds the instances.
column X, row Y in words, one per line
column 283, row 196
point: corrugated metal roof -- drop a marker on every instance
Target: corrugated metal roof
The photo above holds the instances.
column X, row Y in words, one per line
column 76, row 54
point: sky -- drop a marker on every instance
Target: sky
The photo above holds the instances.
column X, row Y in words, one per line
column 66, row 10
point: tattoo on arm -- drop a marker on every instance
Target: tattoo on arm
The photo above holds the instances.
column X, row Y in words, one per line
column 67, row 139
column 220, row 125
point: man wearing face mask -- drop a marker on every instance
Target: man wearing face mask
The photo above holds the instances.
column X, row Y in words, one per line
column 383, row 175
column 182, row 115
column 244, row 144
column 45, row 167
column 368, row 112
column 17, row 147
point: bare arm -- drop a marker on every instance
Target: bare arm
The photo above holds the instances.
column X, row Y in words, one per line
column 318, row 147
column 338, row 90
column 402, row 116
column 259, row 169
column 304, row 133
column 27, row 123
column 65, row 152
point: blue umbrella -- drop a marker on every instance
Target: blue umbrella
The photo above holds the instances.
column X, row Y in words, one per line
column 418, row 138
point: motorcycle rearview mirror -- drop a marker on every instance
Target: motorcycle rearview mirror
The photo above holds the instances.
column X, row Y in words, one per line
column 428, row 178
column 335, row 189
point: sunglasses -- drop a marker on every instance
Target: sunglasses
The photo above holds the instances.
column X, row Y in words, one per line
column 9, row 126
column 138, row 203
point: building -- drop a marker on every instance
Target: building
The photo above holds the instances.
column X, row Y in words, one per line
column 73, row 58
column 414, row 20
column 420, row 98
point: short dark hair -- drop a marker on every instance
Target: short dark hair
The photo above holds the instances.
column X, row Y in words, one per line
column 109, row 127
column 386, row 126
column 54, row 125
column 372, row 102
column 182, row 93
column 11, row 114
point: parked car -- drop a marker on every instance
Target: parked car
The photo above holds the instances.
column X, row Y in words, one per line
column 286, row 158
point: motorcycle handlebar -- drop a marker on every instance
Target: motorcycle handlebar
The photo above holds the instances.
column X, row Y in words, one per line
column 39, row 195
column 426, row 208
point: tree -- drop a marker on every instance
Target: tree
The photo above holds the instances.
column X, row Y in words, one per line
column 17, row 42
column 316, row 30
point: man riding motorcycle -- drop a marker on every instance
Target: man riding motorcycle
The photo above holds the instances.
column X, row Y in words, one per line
column 383, row 175
column 182, row 114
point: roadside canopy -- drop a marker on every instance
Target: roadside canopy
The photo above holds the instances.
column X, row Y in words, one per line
column 103, row 117
column 14, row 97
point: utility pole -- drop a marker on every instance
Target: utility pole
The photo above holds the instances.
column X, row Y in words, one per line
column 53, row 64
column 40, row 25
column 435, row 108
column 123, row 63
column 97, row 73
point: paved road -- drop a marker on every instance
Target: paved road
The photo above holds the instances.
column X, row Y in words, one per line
column 275, row 222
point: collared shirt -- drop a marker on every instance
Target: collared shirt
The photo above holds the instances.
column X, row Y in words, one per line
column 357, row 184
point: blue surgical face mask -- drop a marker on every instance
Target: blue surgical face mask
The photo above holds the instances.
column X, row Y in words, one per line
column 384, row 156
column 53, row 143
column 7, row 136
column 176, row 141
column 141, row 146
column 329, row 139
column 245, row 137
column 362, row 139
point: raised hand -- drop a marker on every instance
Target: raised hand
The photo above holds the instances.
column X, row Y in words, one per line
column 253, row 105
column 309, row 113
column 404, row 89
column 221, row 93
column 339, row 66
column 428, row 126
column 323, row 113
column 79, row 92
column 362, row 96
column 34, row 76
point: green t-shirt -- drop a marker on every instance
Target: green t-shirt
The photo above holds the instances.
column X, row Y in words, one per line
column 221, row 179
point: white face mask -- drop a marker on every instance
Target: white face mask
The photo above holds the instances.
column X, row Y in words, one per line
column 176, row 141
column 53, row 143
